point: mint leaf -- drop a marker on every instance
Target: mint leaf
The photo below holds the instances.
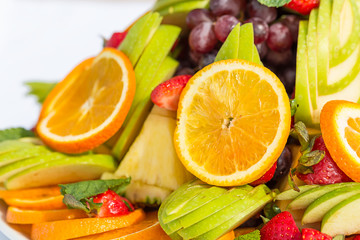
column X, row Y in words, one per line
column 79, row 195
column 271, row 210
column 15, row 133
column 274, row 3
column 255, row 235
column 40, row 90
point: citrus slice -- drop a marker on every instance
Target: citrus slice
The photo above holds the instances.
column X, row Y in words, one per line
column 48, row 203
column 89, row 105
column 148, row 229
column 31, row 193
column 233, row 122
column 20, row 216
column 340, row 127
column 68, row 229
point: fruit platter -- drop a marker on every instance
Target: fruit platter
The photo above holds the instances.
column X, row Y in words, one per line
column 203, row 119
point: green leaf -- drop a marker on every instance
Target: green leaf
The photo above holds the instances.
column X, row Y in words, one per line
column 40, row 90
column 304, row 169
column 293, row 106
column 311, row 158
column 291, row 180
column 274, row 3
column 79, row 195
column 15, row 133
column 302, row 134
column 271, row 210
column 255, row 235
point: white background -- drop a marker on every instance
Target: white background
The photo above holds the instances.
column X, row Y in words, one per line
column 45, row 39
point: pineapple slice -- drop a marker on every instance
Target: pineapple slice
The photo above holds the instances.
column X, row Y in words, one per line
column 151, row 161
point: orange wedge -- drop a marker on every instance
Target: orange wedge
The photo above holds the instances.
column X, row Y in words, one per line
column 89, row 105
column 340, row 127
column 149, row 229
column 31, row 193
column 234, row 121
column 83, row 227
column 228, row 236
column 20, row 216
column 48, row 203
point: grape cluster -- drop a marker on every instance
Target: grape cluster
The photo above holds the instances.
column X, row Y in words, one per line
column 275, row 35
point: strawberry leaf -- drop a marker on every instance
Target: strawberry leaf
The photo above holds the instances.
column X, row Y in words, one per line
column 311, row 158
column 300, row 132
column 271, row 210
column 274, row 3
column 293, row 106
column 291, row 180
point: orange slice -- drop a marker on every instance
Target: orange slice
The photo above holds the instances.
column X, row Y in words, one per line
column 31, row 193
column 149, row 229
column 83, row 227
column 233, row 122
column 228, row 236
column 19, row 216
column 89, row 105
column 340, row 127
column 48, row 203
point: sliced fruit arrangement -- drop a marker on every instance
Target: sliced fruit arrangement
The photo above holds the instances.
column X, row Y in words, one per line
column 200, row 211
column 328, row 58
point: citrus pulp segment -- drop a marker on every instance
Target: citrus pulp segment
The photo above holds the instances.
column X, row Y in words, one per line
column 89, row 105
column 340, row 126
column 233, row 122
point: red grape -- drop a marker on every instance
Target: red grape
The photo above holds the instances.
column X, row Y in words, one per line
column 202, row 38
column 197, row 16
column 222, row 7
column 255, row 9
column 262, row 49
column 224, row 25
column 280, row 38
column 292, row 22
column 261, row 29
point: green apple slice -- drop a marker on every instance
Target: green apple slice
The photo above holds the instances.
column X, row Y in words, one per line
column 182, row 6
column 343, row 218
column 317, row 209
column 139, row 36
column 65, row 170
column 197, row 202
column 335, row 29
column 24, row 153
column 221, row 216
column 291, row 193
column 13, row 145
column 311, row 41
column 323, row 40
column 305, row 199
column 230, row 48
column 247, row 48
column 8, row 170
column 237, row 220
column 302, row 89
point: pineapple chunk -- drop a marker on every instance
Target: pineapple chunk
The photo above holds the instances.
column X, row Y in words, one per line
column 151, row 161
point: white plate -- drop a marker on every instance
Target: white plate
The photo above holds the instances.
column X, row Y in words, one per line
column 6, row 232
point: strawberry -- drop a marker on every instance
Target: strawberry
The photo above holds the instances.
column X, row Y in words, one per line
column 167, row 94
column 303, row 6
column 112, row 204
column 280, row 227
column 326, row 171
column 115, row 39
column 357, row 237
column 312, row 234
column 266, row 177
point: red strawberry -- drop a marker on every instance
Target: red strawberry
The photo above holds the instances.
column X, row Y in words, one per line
column 312, row 234
column 326, row 171
column 281, row 227
column 303, row 6
column 266, row 177
column 116, row 39
column 112, row 204
column 166, row 95
column 357, row 237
